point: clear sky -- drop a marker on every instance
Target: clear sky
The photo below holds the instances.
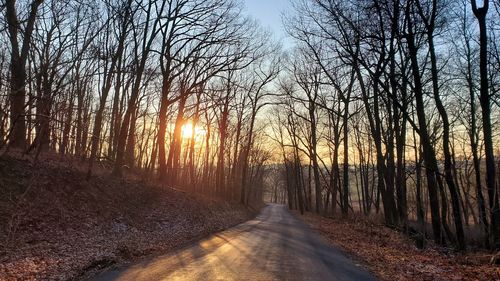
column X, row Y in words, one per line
column 268, row 13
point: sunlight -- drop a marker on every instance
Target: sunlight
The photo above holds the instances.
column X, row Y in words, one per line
column 188, row 132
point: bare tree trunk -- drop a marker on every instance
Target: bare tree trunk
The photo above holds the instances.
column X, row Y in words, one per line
column 345, row 176
column 173, row 161
column 452, row 186
column 146, row 42
column 473, row 136
column 418, row 188
column 19, row 56
column 484, row 100
column 428, row 151
column 223, row 123
column 107, row 83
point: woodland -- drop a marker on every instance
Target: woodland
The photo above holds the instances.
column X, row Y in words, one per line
column 386, row 109
column 392, row 107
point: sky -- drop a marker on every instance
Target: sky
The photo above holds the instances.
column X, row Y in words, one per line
column 268, row 13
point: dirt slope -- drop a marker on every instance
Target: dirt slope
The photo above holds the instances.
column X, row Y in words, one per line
column 55, row 225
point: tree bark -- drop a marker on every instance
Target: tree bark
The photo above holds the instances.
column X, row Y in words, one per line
column 19, row 57
column 484, row 100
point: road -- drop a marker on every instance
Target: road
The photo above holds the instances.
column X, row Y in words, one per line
column 273, row 246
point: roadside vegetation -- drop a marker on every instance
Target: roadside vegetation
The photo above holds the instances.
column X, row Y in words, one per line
column 392, row 255
column 55, row 225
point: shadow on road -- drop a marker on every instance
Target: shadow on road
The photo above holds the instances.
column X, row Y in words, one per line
column 273, row 246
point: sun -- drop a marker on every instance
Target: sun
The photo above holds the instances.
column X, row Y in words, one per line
column 187, row 131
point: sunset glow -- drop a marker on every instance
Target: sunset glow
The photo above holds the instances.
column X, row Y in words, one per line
column 188, row 132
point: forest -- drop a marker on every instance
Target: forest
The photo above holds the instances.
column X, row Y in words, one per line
column 160, row 87
column 380, row 108
column 392, row 107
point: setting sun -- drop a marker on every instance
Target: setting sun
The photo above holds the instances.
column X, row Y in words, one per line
column 188, row 132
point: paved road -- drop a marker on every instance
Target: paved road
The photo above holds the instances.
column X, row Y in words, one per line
column 274, row 246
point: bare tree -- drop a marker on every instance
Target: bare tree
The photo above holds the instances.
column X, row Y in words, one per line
column 484, row 99
column 18, row 59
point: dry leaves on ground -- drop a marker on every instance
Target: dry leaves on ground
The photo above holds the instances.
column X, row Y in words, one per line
column 55, row 225
column 393, row 256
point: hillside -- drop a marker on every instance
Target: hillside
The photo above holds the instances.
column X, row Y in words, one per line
column 55, row 225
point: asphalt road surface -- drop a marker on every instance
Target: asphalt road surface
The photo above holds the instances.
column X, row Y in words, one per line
column 273, row 246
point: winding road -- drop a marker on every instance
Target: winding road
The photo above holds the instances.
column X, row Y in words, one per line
column 273, row 246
